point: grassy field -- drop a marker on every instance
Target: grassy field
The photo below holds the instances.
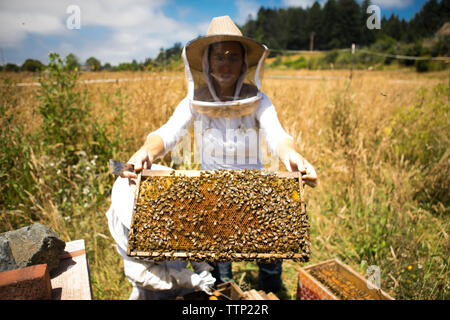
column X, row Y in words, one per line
column 379, row 143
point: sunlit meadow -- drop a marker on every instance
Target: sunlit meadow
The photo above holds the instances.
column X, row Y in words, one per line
column 379, row 142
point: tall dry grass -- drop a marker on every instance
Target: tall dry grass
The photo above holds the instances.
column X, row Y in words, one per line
column 365, row 210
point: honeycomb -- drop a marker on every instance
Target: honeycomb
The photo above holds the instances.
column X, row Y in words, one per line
column 340, row 285
column 218, row 216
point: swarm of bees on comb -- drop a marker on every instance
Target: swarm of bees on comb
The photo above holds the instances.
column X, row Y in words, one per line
column 338, row 284
column 218, row 216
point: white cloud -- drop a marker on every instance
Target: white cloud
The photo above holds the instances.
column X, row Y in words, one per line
column 301, row 3
column 298, row 3
column 244, row 8
column 382, row 3
column 392, row 3
column 16, row 24
column 11, row 34
column 134, row 28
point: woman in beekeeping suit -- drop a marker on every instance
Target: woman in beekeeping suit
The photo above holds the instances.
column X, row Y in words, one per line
column 229, row 111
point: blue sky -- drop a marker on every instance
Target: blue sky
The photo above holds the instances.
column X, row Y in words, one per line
column 122, row 30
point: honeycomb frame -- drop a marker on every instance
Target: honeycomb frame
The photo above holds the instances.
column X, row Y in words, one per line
column 219, row 215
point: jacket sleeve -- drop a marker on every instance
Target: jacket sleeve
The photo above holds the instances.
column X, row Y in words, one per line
column 177, row 126
column 270, row 125
column 150, row 275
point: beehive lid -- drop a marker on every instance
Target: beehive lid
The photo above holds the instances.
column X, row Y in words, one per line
column 221, row 215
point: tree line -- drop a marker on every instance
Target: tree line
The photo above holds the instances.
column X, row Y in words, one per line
column 167, row 59
column 338, row 24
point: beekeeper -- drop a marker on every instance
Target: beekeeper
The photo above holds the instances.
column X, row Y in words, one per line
column 229, row 111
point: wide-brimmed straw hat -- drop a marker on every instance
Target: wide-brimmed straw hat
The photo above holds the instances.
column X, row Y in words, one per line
column 222, row 29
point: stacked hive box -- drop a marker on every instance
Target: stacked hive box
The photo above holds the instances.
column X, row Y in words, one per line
column 333, row 280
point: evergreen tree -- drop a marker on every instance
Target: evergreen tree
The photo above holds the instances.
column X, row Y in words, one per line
column 393, row 27
column 330, row 26
column 348, row 17
column 367, row 35
column 314, row 23
column 268, row 29
column 339, row 24
column 249, row 28
column 296, row 29
column 429, row 19
column 444, row 9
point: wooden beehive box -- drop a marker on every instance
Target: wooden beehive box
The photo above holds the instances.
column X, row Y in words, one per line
column 333, row 280
column 221, row 215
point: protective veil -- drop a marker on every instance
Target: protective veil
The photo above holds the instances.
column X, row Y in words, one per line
column 227, row 134
column 199, row 78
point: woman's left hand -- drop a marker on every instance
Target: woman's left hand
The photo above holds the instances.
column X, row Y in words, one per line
column 295, row 162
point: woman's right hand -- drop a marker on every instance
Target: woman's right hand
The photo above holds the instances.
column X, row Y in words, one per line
column 142, row 159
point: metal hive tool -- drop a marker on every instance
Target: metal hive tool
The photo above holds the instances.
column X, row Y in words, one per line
column 221, row 215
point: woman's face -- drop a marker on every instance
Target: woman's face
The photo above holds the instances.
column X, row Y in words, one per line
column 225, row 62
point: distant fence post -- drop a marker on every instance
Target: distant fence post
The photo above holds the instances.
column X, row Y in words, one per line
column 352, row 58
column 311, row 41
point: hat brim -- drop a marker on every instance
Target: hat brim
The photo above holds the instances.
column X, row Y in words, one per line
column 195, row 48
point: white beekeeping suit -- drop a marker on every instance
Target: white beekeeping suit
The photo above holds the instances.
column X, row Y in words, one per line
column 151, row 280
column 228, row 135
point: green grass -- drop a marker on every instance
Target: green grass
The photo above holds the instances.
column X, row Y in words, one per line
column 382, row 198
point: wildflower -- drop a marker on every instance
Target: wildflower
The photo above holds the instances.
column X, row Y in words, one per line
column 419, row 266
column 409, row 267
column 85, row 190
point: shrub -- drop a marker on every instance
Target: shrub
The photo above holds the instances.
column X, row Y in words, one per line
column 61, row 169
column 15, row 151
column 421, row 134
column 441, row 47
column 429, row 65
column 367, row 58
column 276, row 63
column 32, row 65
column 413, row 51
column 330, row 57
column 384, row 44
column 423, row 65
column 300, row 63
column 312, row 63
column 11, row 67
column 345, row 59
